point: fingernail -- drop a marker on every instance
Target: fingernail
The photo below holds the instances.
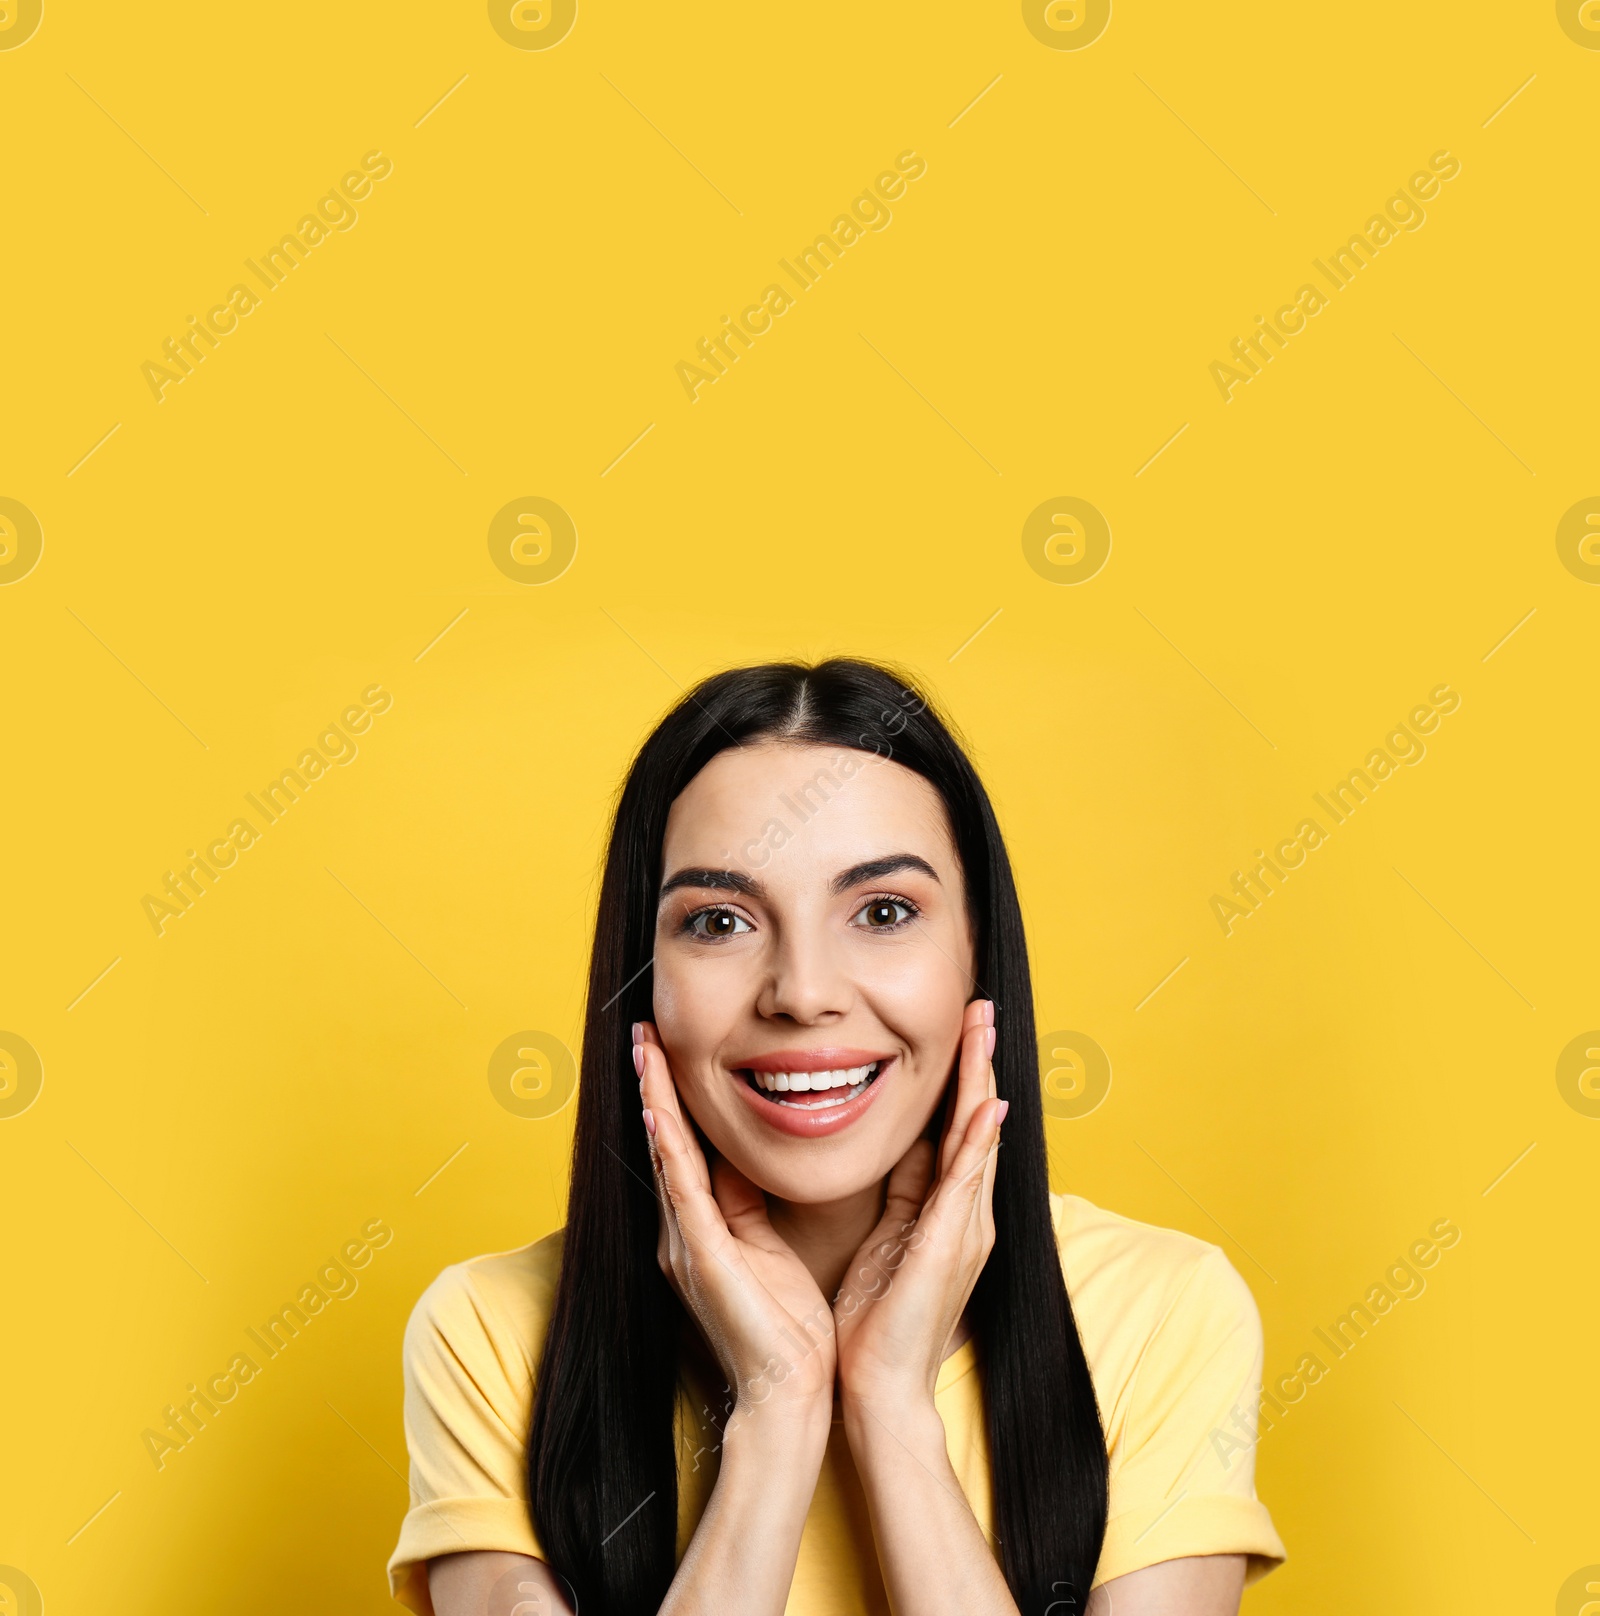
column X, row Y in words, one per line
column 988, row 1040
column 988, row 1011
column 999, row 1116
column 649, row 1124
column 638, row 1059
column 638, row 1033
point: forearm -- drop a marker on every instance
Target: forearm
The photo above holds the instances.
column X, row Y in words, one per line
column 741, row 1559
column 931, row 1550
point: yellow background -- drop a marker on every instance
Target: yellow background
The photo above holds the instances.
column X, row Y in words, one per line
column 302, row 516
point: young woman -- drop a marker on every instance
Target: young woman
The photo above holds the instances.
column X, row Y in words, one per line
column 806, row 1342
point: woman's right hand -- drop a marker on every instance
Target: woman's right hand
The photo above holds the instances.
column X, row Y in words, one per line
column 756, row 1304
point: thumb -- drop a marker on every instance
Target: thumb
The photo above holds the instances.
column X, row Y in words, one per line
column 886, row 1247
column 908, row 1187
column 744, row 1207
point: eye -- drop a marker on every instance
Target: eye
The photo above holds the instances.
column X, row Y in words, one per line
column 884, row 914
column 715, row 923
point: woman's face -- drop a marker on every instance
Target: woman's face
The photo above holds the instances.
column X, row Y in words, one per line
column 813, row 923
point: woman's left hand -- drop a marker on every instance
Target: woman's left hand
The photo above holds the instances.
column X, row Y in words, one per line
column 908, row 1285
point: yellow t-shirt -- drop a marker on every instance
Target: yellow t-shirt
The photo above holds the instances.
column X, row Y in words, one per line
column 1174, row 1346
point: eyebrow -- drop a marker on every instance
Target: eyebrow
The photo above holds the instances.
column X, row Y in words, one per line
column 715, row 880
column 737, row 881
column 876, row 869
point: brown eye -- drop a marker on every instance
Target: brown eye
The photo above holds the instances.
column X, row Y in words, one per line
column 884, row 914
column 717, row 923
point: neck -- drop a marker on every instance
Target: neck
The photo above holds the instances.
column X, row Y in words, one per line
column 826, row 1235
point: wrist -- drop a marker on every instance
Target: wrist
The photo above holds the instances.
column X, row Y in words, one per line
column 777, row 1430
column 771, row 1464
column 900, row 1390
column 894, row 1420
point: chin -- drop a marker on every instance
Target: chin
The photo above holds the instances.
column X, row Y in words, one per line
column 816, row 1173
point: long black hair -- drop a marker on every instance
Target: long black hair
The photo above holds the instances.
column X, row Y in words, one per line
column 602, row 1437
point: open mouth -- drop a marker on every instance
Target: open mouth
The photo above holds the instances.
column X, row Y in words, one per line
column 813, row 1091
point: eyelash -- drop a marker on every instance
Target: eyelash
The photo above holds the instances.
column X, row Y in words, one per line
column 899, row 902
column 687, row 927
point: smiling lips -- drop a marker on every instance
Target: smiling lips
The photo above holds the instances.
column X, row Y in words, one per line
column 853, row 1078
column 810, row 1093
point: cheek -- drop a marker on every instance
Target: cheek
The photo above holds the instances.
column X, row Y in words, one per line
column 695, row 1011
column 923, row 997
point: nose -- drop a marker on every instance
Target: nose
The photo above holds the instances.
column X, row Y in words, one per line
column 806, row 983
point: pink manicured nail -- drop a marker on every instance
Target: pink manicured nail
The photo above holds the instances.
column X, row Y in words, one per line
column 638, row 1033
column 988, row 1012
column 638, row 1059
column 988, row 1040
column 999, row 1116
column 649, row 1124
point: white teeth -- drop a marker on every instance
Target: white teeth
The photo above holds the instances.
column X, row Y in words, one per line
column 853, row 1078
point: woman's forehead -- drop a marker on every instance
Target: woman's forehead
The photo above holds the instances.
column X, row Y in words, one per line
column 807, row 806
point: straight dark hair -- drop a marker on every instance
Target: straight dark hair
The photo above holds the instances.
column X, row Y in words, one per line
column 602, row 1437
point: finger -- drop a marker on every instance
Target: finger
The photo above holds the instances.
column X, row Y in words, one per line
column 908, row 1187
column 743, row 1206
column 696, row 1218
column 675, row 1154
column 886, row 1248
column 691, row 1218
column 658, row 1093
column 955, row 1198
column 669, row 1239
column 972, row 1087
column 744, row 1209
column 991, row 1165
column 979, row 1013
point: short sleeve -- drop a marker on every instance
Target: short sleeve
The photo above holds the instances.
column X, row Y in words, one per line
column 1183, row 1470
column 468, row 1396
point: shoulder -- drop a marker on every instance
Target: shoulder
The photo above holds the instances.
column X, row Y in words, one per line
column 471, row 1350
column 489, row 1311
column 1101, row 1250
column 1152, row 1304
column 1173, row 1340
